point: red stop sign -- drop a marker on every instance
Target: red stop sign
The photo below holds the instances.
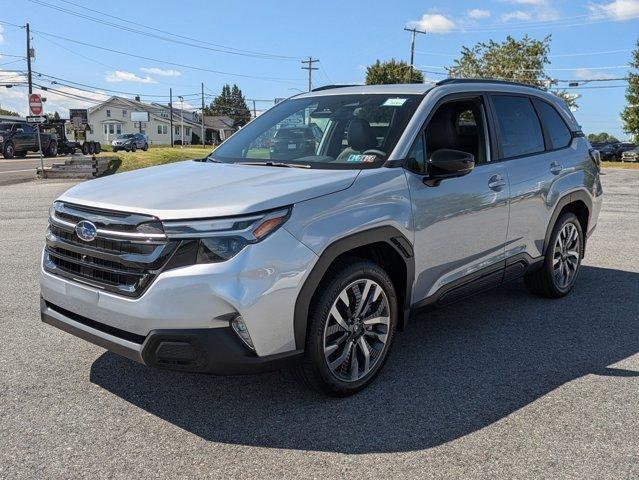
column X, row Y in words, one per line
column 35, row 104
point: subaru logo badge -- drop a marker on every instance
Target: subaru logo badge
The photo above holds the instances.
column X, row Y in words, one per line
column 86, row 230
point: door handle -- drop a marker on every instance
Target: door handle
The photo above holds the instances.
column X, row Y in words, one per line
column 496, row 183
column 555, row 168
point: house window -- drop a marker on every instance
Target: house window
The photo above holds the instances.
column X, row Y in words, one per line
column 177, row 129
column 163, row 129
column 118, row 129
column 187, row 131
column 111, row 128
column 106, row 129
column 123, row 113
column 108, row 112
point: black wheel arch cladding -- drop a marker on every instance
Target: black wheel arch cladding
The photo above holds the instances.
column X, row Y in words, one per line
column 387, row 235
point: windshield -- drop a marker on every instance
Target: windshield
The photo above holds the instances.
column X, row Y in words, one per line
column 334, row 131
column 124, row 136
column 6, row 126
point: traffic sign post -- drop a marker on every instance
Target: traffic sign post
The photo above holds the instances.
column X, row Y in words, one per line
column 35, row 109
column 36, row 119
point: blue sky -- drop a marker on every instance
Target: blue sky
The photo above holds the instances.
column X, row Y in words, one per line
column 263, row 42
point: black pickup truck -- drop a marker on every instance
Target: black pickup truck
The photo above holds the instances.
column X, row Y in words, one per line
column 18, row 138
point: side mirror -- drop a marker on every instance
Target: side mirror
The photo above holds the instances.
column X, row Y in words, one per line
column 447, row 163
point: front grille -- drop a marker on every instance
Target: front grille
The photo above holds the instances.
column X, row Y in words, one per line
column 121, row 259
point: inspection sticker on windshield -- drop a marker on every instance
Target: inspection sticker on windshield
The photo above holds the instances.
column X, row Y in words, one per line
column 361, row 158
column 394, row 102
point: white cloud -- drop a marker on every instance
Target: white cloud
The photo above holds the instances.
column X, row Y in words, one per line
column 120, row 76
column 516, row 15
column 541, row 10
column 433, row 23
column 587, row 74
column 1, row 34
column 617, row 10
column 160, row 71
column 478, row 14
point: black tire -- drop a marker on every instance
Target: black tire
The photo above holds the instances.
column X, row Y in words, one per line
column 91, row 148
column 145, row 147
column 8, row 151
column 314, row 370
column 115, row 150
column 20, row 154
column 134, row 147
column 85, row 148
column 98, row 147
column 544, row 282
column 52, row 149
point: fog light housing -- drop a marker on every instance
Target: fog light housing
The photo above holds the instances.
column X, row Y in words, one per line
column 239, row 327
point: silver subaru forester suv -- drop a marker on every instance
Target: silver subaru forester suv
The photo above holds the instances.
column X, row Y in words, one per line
column 391, row 198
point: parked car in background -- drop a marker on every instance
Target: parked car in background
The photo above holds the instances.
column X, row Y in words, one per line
column 630, row 155
column 608, row 152
column 300, row 140
column 415, row 196
column 624, row 146
column 18, row 138
column 130, row 142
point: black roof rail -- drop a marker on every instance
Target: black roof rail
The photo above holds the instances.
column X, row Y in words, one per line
column 452, row 81
column 328, row 87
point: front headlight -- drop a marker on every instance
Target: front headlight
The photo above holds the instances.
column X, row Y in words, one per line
column 223, row 238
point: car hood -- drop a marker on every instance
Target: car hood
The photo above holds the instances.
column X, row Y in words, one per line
column 203, row 189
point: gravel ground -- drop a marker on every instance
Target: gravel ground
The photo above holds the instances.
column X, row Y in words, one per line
column 503, row 385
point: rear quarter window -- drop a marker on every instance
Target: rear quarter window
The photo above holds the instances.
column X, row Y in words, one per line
column 519, row 128
column 557, row 130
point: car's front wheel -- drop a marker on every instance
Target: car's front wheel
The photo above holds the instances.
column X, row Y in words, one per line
column 352, row 324
column 562, row 261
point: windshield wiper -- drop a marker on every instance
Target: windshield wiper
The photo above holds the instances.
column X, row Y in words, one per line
column 277, row 164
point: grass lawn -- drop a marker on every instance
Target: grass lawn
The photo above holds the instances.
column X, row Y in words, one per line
column 626, row 165
column 153, row 156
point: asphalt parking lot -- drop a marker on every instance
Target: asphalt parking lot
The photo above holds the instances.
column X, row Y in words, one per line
column 503, row 385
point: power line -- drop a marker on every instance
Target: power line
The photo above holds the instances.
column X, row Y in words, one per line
column 560, row 55
column 200, row 44
column 191, row 67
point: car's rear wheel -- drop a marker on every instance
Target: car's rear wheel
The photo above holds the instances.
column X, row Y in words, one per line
column 562, row 260
column 52, row 149
column 134, row 147
column 352, row 324
column 145, row 147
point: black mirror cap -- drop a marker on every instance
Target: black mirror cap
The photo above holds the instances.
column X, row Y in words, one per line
column 447, row 163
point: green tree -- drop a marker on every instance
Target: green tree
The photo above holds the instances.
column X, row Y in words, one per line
column 9, row 113
column 390, row 72
column 230, row 102
column 522, row 61
column 630, row 114
column 602, row 137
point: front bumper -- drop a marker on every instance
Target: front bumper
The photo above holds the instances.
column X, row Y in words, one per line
column 261, row 284
column 213, row 350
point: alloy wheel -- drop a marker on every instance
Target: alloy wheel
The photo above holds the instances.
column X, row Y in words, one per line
column 356, row 330
column 566, row 255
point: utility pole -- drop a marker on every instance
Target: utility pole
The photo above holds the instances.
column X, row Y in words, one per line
column 412, row 51
column 29, row 60
column 310, row 69
column 254, row 110
column 171, row 113
column 203, row 143
column 181, row 121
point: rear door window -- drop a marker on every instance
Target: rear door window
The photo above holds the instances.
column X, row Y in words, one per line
column 519, row 128
column 556, row 129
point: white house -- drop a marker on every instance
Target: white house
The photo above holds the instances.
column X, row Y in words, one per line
column 113, row 117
